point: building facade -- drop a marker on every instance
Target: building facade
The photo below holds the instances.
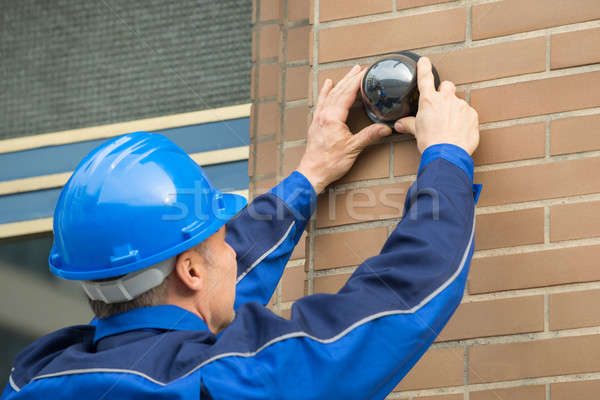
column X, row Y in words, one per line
column 75, row 74
column 528, row 326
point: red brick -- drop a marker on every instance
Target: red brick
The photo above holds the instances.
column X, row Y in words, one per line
column 262, row 186
column 292, row 283
column 511, row 361
column 297, row 43
column 269, row 42
column 330, row 284
column 437, row 368
column 575, row 48
column 331, row 9
column 543, row 96
column 300, row 249
column 535, row 269
column 511, row 16
column 406, row 158
column 497, row 145
column 574, row 309
column 583, row 390
column 348, row 248
column 443, row 397
column 296, row 123
column 512, row 228
column 335, row 74
column 372, row 163
column 514, row 393
column 537, row 182
column 298, row 10
column 360, row 205
column 296, row 86
column 251, row 158
column 575, row 221
column 269, row 10
column 403, row 4
column 291, row 158
column 268, row 76
column 491, row 62
column 286, row 313
column 267, row 157
column 409, row 32
column 495, row 318
column 268, row 116
column 575, row 134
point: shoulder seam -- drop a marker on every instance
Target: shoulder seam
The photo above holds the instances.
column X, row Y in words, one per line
column 262, row 257
column 12, row 383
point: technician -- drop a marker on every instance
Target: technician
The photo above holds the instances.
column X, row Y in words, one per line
column 178, row 274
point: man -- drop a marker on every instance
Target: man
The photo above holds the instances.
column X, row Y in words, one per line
column 179, row 297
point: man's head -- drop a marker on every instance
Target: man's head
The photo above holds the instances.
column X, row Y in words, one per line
column 202, row 282
column 140, row 224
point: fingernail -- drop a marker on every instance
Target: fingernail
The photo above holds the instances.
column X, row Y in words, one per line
column 398, row 126
column 355, row 68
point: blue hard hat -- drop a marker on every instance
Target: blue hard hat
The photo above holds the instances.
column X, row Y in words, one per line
column 136, row 200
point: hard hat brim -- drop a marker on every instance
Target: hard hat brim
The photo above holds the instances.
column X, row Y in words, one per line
column 232, row 205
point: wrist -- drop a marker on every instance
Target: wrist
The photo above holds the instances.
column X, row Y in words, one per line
column 317, row 181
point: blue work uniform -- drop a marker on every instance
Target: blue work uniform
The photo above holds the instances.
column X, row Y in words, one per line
column 356, row 344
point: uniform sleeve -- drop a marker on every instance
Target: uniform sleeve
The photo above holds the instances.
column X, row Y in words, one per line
column 360, row 342
column 264, row 235
column 10, row 390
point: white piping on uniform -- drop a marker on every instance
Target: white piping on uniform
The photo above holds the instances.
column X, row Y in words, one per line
column 13, row 385
column 292, row 334
column 92, row 370
column 272, row 249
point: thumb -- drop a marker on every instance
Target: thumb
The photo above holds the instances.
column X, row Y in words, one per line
column 406, row 125
column 370, row 135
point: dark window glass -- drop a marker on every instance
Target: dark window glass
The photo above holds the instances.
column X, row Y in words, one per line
column 69, row 64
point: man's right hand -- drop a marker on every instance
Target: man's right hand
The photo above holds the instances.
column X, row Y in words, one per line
column 442, row 117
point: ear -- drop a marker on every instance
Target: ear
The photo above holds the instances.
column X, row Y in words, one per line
column 191, row 270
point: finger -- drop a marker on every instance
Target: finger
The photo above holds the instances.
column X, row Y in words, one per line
column 425, row 76
column 342, row 82
column 325, row 89
column 340, row 100
column 406, row 125
column 369, row 135
column 344, row 94
column 447, row 87
column 355, row 69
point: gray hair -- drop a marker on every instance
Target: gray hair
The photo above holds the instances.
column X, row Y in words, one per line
column 153, row 297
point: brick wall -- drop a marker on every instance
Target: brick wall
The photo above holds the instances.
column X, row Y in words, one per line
column 529, row 324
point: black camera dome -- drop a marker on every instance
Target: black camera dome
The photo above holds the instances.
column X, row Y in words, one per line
column 389, row 88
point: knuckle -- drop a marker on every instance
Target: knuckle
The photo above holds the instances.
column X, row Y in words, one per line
column 319, row 118
column 426, row 98
column 328, row 117
column 447, row 84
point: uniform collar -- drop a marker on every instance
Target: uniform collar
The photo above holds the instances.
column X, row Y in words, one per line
column 167, row 317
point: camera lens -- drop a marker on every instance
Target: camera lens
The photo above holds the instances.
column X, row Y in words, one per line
column 389, row 88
